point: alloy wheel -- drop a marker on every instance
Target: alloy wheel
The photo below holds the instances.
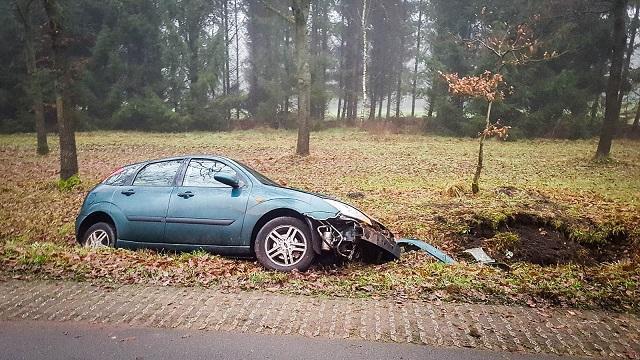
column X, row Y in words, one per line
column 97, row 239
column 286, row 245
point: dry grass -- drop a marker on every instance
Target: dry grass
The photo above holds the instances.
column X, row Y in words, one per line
column 407, row 184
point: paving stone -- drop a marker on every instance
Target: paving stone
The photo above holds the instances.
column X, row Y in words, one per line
column 558, row 331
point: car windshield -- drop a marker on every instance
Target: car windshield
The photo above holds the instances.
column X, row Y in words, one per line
column 263, row 179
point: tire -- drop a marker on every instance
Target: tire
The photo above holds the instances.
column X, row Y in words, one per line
column 105, row 236
column 277, row 251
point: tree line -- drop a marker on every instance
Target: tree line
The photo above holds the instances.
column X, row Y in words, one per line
column 174, row 65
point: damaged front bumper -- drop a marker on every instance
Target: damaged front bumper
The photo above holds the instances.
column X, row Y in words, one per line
column 382, row 239
column 354, row 239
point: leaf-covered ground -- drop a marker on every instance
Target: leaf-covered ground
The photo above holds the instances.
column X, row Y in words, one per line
column 417, row 185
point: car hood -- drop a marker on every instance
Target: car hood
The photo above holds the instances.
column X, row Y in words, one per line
column 283, row 191
column 317, row 200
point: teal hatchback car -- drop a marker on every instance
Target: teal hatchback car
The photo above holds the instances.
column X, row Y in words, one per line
column 225, row 207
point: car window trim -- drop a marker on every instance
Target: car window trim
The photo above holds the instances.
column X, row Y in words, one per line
column 181, row 169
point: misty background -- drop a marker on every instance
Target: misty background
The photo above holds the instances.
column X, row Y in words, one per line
column 178, row 65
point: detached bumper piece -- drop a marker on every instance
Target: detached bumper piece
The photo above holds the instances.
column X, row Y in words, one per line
column 414, row 244
column 377, row 238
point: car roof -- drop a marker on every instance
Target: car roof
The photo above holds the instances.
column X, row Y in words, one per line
column 199, row 156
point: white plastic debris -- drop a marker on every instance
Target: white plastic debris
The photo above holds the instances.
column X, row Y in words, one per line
column 480, row 256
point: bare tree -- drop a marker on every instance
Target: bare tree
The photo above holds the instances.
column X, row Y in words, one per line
column 299, row 18
column 514, row 46
column 300, row 10
column 66, row 131
column 488, row 87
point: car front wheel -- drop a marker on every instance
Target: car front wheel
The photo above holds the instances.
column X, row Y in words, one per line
column 99, row 235
column 284, row 244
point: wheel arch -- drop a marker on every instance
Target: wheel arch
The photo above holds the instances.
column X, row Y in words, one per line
column 282, row 212
column 94, row 218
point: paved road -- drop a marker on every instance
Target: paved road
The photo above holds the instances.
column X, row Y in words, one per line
column 77, row 340
column 484, row 327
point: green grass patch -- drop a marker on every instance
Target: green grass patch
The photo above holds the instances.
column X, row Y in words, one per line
column 68, row 184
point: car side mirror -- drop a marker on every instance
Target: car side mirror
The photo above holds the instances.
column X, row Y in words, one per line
column 227, row 179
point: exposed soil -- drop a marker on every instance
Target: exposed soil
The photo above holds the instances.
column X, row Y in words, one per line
column 528, row 238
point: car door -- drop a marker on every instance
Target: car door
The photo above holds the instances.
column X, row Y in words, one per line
column 144, row 203
column 203, row 211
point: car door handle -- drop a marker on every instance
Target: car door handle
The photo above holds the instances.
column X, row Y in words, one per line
column 128, row 192
column 186, row 194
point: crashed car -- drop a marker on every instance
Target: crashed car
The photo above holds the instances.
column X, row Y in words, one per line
column 223, row 206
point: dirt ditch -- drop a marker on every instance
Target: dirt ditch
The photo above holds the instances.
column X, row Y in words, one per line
column 530, row 238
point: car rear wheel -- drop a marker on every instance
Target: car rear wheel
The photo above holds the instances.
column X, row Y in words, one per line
column 284, row 244
column 99, row 235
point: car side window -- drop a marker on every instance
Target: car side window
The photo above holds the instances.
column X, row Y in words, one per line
column 158, row 174
column 201, row 172
column 119, row 178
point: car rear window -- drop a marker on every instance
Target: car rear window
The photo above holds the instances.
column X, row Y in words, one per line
column 120, row 177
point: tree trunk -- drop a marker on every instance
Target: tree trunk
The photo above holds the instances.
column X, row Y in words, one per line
column 344, row 108
column 287, row 70
column 399, row 89
column 227, row 62
column 38, row 106
column 415, row 64
column 314, row 54
column 300, row 9
column 35, row 91
column 612, row 106
column 41, row 128
column 341, row 75
column 432, row 99
column 594, row 109
column 325, row 51
column 364, row 54
column 66, row 131
column 372, row 103
column 285, row 107
column 475, row 185
column 192, row 43
column 237, row 35
column 629, row 52
column 636, row 120
column 389, row 92
column 354, row 107
column 372, row 108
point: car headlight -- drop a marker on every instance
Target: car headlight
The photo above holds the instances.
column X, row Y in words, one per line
column 349, row 211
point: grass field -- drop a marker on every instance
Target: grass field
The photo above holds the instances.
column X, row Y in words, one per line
column 533, row 193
